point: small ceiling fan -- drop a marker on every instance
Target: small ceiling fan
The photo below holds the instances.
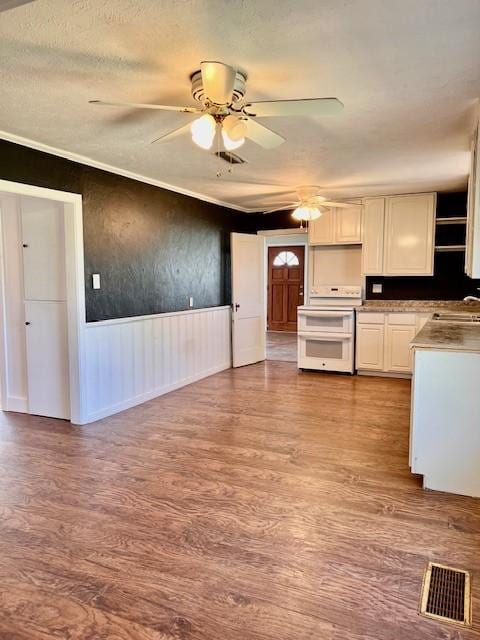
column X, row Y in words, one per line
column 225, row 114
column 310, row 204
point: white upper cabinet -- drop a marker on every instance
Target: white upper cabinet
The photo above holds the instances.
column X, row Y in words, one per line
column 348, row 225
column 373, row 232
column 322, row 230
column 472, row 256
column 337, row 226
column 398, row 235
column 409, row 235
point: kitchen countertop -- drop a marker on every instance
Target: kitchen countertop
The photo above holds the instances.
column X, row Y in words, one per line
column 417, row 306
column 448, row 336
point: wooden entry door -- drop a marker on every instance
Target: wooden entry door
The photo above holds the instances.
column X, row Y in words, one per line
column 285, row 286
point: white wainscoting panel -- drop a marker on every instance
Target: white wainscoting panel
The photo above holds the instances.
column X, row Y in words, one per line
column 131, row 360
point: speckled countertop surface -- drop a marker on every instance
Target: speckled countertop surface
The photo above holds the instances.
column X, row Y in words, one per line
column 449, row 336
column 418, row 306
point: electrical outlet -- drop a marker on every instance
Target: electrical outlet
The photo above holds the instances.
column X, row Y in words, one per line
column 377, row 288
column 190, row 302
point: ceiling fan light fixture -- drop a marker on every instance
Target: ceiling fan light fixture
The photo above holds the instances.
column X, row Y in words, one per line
column 230, row 144
column 305, row 213
column 234, row 130
column 203, row 131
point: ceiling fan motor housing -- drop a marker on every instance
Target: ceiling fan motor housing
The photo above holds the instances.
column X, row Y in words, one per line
column 198, row 91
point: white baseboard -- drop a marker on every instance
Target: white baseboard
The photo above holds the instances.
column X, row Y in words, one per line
column 19, row 405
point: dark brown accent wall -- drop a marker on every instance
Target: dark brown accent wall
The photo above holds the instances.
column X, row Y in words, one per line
column 153, row 248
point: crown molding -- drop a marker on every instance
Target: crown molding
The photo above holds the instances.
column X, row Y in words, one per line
column 90, row 162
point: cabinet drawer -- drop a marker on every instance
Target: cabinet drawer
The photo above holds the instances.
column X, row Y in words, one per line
column 365, row 317
column 402, row 318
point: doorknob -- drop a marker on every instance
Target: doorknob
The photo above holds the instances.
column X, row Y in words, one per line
column 24, row 245
column 27, row 323
column 237, row 306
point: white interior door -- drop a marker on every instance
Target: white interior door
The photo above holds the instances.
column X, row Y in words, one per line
column 248, row 291
column 43, row 249
column 43, row 236
column 47, row 359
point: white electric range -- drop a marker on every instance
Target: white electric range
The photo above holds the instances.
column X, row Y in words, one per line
column 326, row 328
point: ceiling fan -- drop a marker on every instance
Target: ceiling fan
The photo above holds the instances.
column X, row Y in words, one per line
column 310, row 204
column 224, row 115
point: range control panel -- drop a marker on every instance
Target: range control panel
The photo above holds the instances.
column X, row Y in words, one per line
column 336, row 291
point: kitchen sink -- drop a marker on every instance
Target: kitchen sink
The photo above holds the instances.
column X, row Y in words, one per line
column 457, row 317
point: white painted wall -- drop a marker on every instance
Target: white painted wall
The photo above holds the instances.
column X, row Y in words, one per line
column 131, row 360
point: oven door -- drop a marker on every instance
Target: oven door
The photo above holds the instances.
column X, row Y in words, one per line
column 310, row 320
column 327, row 351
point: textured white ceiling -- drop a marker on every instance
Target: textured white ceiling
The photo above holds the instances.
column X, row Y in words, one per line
column 407, row 71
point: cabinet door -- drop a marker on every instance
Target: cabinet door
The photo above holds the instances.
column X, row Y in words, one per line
column 409, row 235
column 472, row 255
column 322, row 230
column 348, row 225
column 370, row 346
column 398, row 355
column 373, row 232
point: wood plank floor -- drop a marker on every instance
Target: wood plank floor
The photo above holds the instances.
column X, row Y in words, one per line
column 260, row 503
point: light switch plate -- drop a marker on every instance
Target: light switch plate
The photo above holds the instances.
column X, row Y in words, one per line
column 96, row 280
column 190, row 302
column 377, row 288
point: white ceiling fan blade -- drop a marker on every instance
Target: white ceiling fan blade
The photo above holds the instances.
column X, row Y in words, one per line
column 137, row 105
column 338, row 205
column 5, row 5
column 218, row 80
column 307, row 107
column 263, row 136
column 173, row 134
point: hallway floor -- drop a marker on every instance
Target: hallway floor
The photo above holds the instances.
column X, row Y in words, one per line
column 262, row 503
column 282, row 345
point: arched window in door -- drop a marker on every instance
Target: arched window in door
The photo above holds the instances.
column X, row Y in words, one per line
column 286, row 259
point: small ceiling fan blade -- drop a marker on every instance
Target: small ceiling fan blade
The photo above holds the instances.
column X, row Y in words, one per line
column 262, row 135
column 307, row 107
column 173, row 134
column 218, row 80
column 138, row 105
column 5, row 5
column 338, row 205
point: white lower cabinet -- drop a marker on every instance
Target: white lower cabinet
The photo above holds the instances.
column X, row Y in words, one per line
column 383, row 341
column 398, row 355
column 370, row 346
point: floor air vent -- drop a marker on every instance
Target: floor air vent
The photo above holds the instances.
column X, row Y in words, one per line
column 446, row 595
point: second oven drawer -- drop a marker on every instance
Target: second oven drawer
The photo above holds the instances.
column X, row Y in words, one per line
column 325, row 321
column 330, row 352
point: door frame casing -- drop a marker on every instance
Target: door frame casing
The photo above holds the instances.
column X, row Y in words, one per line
column 75, row 289
column 273, row 247
column 284, row 233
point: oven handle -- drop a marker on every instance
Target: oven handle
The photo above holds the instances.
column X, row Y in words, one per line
column 325, row 336
column 326, row 314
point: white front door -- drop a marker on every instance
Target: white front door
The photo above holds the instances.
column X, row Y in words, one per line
column 248, row 296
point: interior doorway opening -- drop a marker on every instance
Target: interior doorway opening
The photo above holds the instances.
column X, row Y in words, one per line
column 286, row 270
column 41, row 301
